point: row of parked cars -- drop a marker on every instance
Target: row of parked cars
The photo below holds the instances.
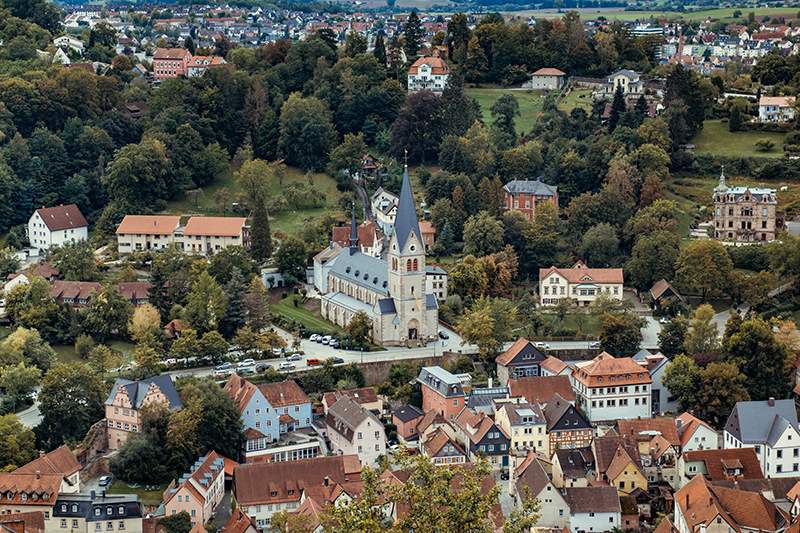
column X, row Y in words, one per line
column 327, row 340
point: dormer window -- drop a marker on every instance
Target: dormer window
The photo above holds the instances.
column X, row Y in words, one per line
column 64, row 508
column 97, row 511
column 24, row 497
column 273, row 494
column 74, row 508
column 9, row 496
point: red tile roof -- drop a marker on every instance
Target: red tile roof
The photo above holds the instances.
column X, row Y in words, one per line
column 215, row 226
column 366, row 235
column 148, row 225
column 284, row 393
column 172, row 53
column 62, row 217
column 438, row 65
column 548, row 72
column 578, row 272
column 606, row 366
column 541, row 389
column 59, row 461
column 715, row 462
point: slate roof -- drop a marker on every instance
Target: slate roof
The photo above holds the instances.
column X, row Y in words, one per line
column 408, row 413
column 521, row 345
column 751, row 422
column 122, row 507
column 363, row 270
column 406, row 221
column 535, row 187
column 386, row 307
column 442, row 381
column 62, row 217
column 576, row 462
column 430, row 301
column 767, row 196
column 137, row 390
column 557, row 408
column 592, row 500
column 346, row 415
column 625, row 72
column 484, row 398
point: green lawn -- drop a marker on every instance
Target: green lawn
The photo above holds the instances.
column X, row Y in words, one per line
column 713, row 14
column 530, row 105
column 575, row 99
column 286, row 308
column 145, row 496
column 66, row 354
column 289, row 221
column 720, row 305
column 717, row 139
column 591, row 324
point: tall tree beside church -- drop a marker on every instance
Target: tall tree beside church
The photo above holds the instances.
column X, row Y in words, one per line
column 414, row 33
column 380, row 50
column 260, row 234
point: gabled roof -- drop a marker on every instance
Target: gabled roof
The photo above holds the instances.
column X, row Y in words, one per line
column 406, row 221
column 41, row 270
column 62, row 217
column 437, row 64
column 363, row 270
column 716, row 460
column 284, row 393
column 625, row 72
column 442, row 381
column 554, row 365
column 32, row 521
column 576, row 462
column 59, row 461
column 524, row 347
column 661, row 287
column 650, row 427
column 534, row 477
column 408, row 413
column 592, row 500
column 751, row 422
column 148, row 224
column 541, row 389
column 535, row 187
column 361, row 396
column 240, row 390
column 548, row 72
column 582, row 274
column 44, row 486
column 239, row 523
column 202, row 475
column 214, row 226
column 439, row 440
column 476, row 426
column 137, row 391
column 621, row 460
column 346, row 415
column 171, row 53
column 558, row 408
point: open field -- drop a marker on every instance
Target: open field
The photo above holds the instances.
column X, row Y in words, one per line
column 530, row 104
column 618, row 14
column 289, row 221
column 717, row 139
column 582, row 98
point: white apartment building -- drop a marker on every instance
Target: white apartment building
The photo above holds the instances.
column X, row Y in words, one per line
column 199, row 235
column 580, row 283
column 352, row 429
column 612, row 389
column 51, row 226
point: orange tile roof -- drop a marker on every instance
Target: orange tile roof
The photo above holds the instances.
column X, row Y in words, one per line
column 664, row 426
column 689, row 424
column 606, row 366
column 579, row 272
column 44, row 487
column 621, row 461
column 148, row 224
column 366, row 235
column 715, row 462
column 240, row 390
column 283, row 393
column 554, row 365
column 238, row 522
column 427, row 227
column 438, row 65
column 59, row 461
column 548, row 72
column 172, row 53
column 215, row 226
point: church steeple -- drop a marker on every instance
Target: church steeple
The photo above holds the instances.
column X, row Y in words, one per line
column 721, row 187
column 406, row 221
column 353, row 233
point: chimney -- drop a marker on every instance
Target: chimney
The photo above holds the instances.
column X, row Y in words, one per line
column 687, row 502
column 327, row 481
column 772, row 402
column 92, row 495
column 41, row 453
column 38, row 473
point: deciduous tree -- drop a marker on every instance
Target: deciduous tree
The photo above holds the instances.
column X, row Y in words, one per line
column 703, row 266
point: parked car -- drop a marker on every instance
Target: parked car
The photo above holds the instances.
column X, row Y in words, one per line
column 246, row 363
column 664, row 320
column 286, row 365
column 224, row 366
column 105, row 481
column 293, row 357
column 326, row 339
column 247, row 370
column 278, row 351
column 338, row 360
column 443, row 335
column 314, row 337
column 319, row 339
column 223, row 372
column 233, row 348
column 313, row 362
column 262, row 367
column 335, row 344
column 542, row 345
column 595, row 345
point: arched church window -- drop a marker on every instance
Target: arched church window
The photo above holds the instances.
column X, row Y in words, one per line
column 415, row 265
column 408, row 265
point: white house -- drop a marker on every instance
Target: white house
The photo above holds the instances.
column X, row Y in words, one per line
column 384, row 206
column 612, row 389
column 593, row 508
column 776, row 108
column 656, row 365
column 695, row 434
column 630, row 82
column 68, row 41
column 59, row 225
column 553, row 511
column 429, row 73
column 547, row 78
column 769, row 426
column 580, row 283
column 352, row 429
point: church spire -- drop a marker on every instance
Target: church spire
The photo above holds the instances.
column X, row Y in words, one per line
column 721, row 187
column 353, row 233
column 406, row 220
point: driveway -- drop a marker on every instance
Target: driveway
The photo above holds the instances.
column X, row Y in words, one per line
column 223, row 511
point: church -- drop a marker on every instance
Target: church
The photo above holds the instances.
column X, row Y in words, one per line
column 400, row 293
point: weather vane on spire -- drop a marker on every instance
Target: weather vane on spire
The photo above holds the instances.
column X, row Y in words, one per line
column 405, row 158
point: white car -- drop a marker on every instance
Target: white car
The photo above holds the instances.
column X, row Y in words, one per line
column 664, row 320
column 326, row 339
column 542, row 345
column 277, row 351
column 246, row 363
column 314, row 337
column 223, row 372
column 286, row 366
column 594, row 345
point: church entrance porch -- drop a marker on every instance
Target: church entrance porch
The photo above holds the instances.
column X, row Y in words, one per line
column 413, row 329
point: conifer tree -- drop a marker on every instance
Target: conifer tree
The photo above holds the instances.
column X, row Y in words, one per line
column 260, row 235
column 380, row 50
column 414, row 34
column 617, row 108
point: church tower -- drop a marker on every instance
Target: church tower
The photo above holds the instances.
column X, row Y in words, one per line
column 406, row 263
